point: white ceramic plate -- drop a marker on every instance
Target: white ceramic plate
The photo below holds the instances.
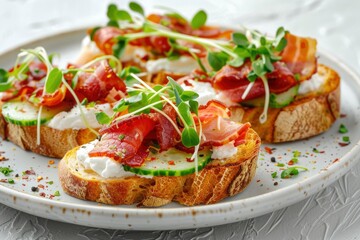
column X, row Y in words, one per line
column 262, row 196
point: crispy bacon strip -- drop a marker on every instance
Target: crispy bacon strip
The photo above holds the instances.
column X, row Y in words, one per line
column 96, row 86
column 122, row 140
column 300, row 56
column 233, row 81
column 217, row 128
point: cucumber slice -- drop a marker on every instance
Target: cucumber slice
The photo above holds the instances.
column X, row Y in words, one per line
column 172, row 162
column 276, row 100
column 25, row 113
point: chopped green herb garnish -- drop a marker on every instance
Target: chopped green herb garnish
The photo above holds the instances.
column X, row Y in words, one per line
column 295, row 160
column 5, row 170
column 11, row 181
column 121, row 136
column 343, row 129
column 280, row 165
column 50, row 183
column 296, row 153
column 346, row 138
column 57, row 194
column 291, row 171
column 315, row 150
column 274, row 175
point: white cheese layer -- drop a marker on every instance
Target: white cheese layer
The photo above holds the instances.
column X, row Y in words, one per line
column 104, row 166
column 312, row 85
column 183, row 64
column 108, row 168
column 73, row 119
column 225, row 151
column 207, row 92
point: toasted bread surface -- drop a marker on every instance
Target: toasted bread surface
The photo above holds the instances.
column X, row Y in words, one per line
column 309, row 115
column 219, row 179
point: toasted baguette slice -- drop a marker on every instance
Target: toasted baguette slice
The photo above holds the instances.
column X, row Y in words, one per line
column 54, row 143
column 307, row 116
column 219, row 179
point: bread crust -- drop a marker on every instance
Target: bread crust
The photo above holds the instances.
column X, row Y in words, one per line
column 307, row 116
column 53, row 142
column 219, row 179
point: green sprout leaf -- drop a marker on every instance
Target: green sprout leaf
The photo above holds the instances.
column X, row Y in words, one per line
column 113, row 23
column 194, row 107
column 138, row 101
column 120, row 106
column 258, row 67
column 176, row 88
column 102, row 118
column 252, row 76
column 240, row 39
column 274, row 174
column 128, row 70
column 189, row 137
column 136, row 8
column 198, row 20
column 3, row 75
column 123, row 15
column 267, row 63
column 112, row 12
column 236, row 62
column 281, row 45
column 92, row 33
column 185, row 113
column 217, row 60
column 119, row 47
column 53, row 81
column 187, row 95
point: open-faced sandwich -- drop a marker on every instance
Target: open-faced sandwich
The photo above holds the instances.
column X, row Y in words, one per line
column 275, row 83
column 49, row 110
column 161, row 146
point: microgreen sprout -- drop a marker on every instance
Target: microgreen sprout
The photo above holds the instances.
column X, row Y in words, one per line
column 245, row 46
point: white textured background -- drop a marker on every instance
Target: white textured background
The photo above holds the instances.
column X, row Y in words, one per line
column 330, row 214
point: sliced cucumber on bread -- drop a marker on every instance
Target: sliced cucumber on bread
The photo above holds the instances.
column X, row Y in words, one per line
column 276, row 100
column 26, row 114
column 171, row 163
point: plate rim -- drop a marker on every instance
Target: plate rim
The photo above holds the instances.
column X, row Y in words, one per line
column 345, row 163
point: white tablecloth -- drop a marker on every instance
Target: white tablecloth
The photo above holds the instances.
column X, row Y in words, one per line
column 330, row 214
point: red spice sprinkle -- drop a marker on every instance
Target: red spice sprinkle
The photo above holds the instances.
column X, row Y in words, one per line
column 171, row 162
column 268, row 150
column 343, row 115
column 25, row 177
column 41, row 186
column 342, row 144
column 291, row 162
column 336, row 160
column 189, row 160
column 42, row 194
column 258, row 180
